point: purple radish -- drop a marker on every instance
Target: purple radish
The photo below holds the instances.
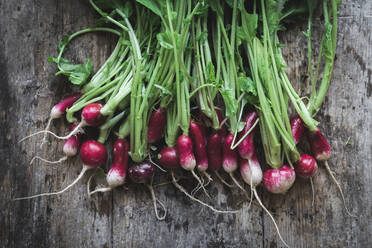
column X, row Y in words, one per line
column 93, row 154
column 143, row 173
column 298, row 128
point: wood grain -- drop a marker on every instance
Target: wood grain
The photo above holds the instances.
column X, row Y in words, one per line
column 29, row 32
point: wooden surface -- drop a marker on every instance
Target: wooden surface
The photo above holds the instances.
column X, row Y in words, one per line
column 29, row 33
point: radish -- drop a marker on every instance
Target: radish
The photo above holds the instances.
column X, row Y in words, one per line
column 322, row 152
column 214, row 151
column 90, row 116
column 230, row 160
column 298, row 128
column 200, row 143
column 168, row 157
column 187, row 158
column 251, row 173
column 278, row 181
column 93, row 154
column 306, row 167
column 57, row 112
column 70, row 148
column 143, row 173
column 156, row 125
column 246, row 147
column 117, row 173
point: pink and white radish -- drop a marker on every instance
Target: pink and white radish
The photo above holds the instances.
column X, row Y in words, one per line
column 93, row 154
column 143, row 173
column 118, row 171
column 298, row 128
column 278, row 181
column 156, row 125
column 222, row 131
column 322, row 152
column 57, row 112
column 251, row 173
column 70, row 148
column 187, row 158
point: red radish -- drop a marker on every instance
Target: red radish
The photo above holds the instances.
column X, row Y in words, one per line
column 70, row 148
column 222, row 131
column 298, row 128
column 278, row 181
column 306, row 167
column 143, row 173
column 168, row 157
column 93, row 154
column 230, row 160
column 252, row 174
column 199, row 145
column 90, row 116
column 229, row 157
column 57, row 112
column 185, row 151
column 319, row 145
column 117, row 173
column 187, row 158
column 246, row 147
column 156, row 125
column 214, row 150
column 322, row 152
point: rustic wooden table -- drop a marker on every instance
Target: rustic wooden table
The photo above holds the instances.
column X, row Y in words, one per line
column 29, row 32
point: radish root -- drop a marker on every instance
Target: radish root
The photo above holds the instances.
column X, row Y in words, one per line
column 48, row 161
column 330, row 172
column 200, row 183
column 183, row 190
column 76, row 130
column 85, row 168
column 223, row 180
column 46, row 129
column 268, row 212
column 312, row 191
column 154, row 201
column 238, row 184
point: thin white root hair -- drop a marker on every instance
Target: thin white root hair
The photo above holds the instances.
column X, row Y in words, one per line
column 206, row 174
column 154, row 200
column 238, row 184
column 312, row 191
column 223, row 180
column 85, row 168
column 46, row 129
column 201, row 183
column 73, row 132
column 272, row 218
column 183, row 190
column 48, row 161
column 339, row 188
column 159, row 167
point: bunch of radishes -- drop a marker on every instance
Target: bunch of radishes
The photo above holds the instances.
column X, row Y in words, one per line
column 188, row 91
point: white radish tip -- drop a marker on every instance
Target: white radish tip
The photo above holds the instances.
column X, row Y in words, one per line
column 114, row 178
column 56, row 113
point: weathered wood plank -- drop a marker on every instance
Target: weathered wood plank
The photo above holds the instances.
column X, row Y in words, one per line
column 30, row 31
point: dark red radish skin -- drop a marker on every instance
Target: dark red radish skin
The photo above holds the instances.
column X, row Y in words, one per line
column 185, row 152
column 141, row 173
column 298, row 128
column 278, row 181
column 214, row 151
column 222, row 131
column 246, row 147
column 229, row 157
column 319, row 145
column 117, row 173
column 93, row 154
column 306, row 167
column 92, row 116
column 156, row 125
column 199, row 145
column 168, row 158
